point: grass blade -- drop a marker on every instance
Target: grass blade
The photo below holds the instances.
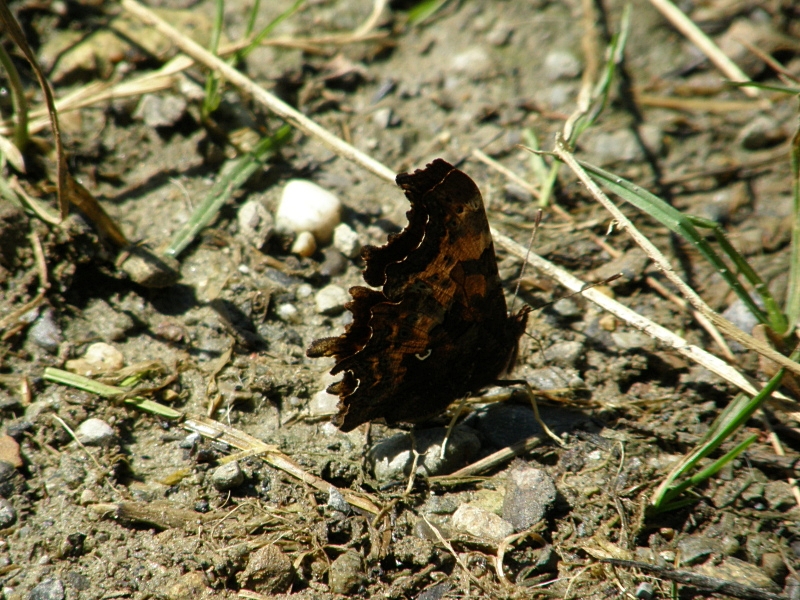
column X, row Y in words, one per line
column 222, row 190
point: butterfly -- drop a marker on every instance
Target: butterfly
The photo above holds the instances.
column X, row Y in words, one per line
column 439, row 328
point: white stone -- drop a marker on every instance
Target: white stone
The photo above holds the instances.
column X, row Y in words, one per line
column 323, row 404
column 346, row 241
column 304, row 244
column 98, row 358
column 305, row 206
column 331, row 299
column 560, row 64
column 95, row 432
column 287, row 312
column 481, row 523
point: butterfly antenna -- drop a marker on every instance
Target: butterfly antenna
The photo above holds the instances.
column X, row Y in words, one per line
column 537, row 220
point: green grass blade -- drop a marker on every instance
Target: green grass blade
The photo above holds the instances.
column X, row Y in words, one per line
column 679, row 224
column 212, row 95
column 424, row 10
column 109, row 391
column 222, row 190
column 724, row 426
column 269, row 29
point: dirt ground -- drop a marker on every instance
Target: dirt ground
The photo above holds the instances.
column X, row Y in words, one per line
column 143, row 507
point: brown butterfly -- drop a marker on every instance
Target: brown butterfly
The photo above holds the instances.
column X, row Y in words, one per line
column 439, row 329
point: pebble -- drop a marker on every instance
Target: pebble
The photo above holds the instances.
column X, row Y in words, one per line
column 162, row 110
column 385, row 118
column 45, row 332
column 305, row 244
column 632, row 340
column 696, row 548
column 98, row 358
column 189, row 586
column 346, row 241
column 530, row 495
column 337, row 502
column 256, row 224
column 346, row 573
column 645, row 591
column 305, row 206
column 95, row 432
column 500, row 34
column 268, row 571
column 150, row 270
column 481, row 523
column 744, row 573
column 475, row 63
column 391, row 459
column 323, row 404
column 8, row 515
column 616, row 146
column 760, row 133
column 12, row 482
column 9, row 451
column 517, row 193
column 288, row 312
column 554, row 378
column 561, row 64
column 227, row 476
column 567, row 307
column 565, row 354
column 333, row 263
column 331, row 299
column 774, row 567
column 49, row 589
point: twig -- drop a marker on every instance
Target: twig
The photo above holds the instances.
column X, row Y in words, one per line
column 687, row 27
column 725, row 326
column 280, row 108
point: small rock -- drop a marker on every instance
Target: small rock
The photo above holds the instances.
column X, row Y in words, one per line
column 632, row 340
column 554, row 378
column 336, row 501
column 162, row 110
column 49, row 589
column 17, row 429
column 564, row 354
column 346, row 574
column 500, row 34
column 150, row 270
column 45, row 332
column 268, row 571
column 227, row 476
column 517, row 193
column 696, row 548
column 645, row 591
column 741, row 316
column 256, row 224
column 331, row 299
column 334, row 263
column 475, row 63
column 323, row 404
column 346, row 241
column 743, row 573
column 304, row 244
column 481, row 523
column 288, row 312
column 305, row 206
column 111, row 324
column 566, row 307
column 392, row 458
column 385, row 118
column 8, row 515
column 12, row 482
column 98, row 358
column 9, row 451
column 760, row 133
column 616, row 146
column 95, row 432
column 530, row 495
column 561, row 64
column 190, row 586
